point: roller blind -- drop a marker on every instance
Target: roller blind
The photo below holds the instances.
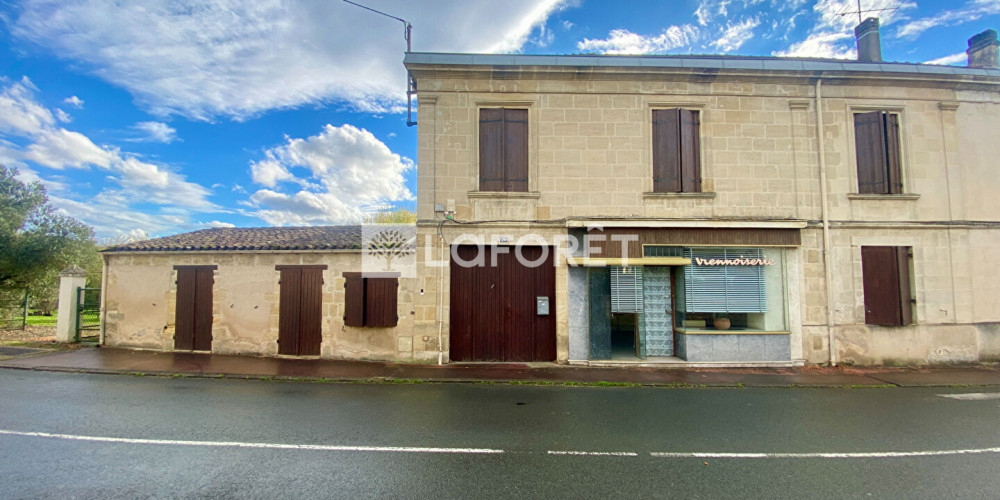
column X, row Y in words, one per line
column 724, row 288
column 626, row 290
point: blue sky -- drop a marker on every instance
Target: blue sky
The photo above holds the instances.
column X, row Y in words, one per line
column 161, row 118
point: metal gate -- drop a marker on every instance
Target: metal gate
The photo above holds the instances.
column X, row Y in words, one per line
column 88, row 314
column 13, row 308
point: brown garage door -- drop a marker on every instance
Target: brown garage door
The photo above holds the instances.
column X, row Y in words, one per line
column 193, row 315
column 301, row 310
column 493, row 308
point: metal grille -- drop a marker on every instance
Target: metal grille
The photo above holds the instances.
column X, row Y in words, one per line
column 734, row 289
column 662, row 251
column 88, row 314
column 13, row 308
column 626, row 289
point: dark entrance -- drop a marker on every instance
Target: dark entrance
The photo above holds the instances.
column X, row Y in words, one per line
column 495, row 313
column 301, row 310
column 193, row 319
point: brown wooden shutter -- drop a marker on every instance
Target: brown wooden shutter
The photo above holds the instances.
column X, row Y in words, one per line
column 491, row 149
column 380, row 302
column 881, row 277
column 185, row 306
column 354, row 300
column 903, row 268
column 515, row 142
column 690, row 155
column 204, row 281
column 288, row 314
column 666, row 151
column 311, row 312
column 869, row 137
column 895, row 171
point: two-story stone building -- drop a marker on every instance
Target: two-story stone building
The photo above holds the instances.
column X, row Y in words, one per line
column 708, row 209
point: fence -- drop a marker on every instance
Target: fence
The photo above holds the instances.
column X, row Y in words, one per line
column 13, row 308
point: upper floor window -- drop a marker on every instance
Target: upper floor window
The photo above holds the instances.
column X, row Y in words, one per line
column 876, row 136
column 503, row 149
column 676, row 151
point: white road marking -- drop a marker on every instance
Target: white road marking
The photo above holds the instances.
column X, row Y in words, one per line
column 596, row 453
column 277, row 446
column 973, row 396
column 876, row 454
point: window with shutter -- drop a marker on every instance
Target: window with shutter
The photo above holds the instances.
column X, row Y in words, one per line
column 503, row 149
column 886, row 278
column 876, row 138
column 676, row 151
column 370, row 301
column 724, row 288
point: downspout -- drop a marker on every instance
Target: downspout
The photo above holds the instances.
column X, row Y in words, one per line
column 104, row 296
column 440, row 305
column 825, row 214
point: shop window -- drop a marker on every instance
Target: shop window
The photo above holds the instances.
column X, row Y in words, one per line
column 370, row 301
column 676, row 154
column 745, row 285
column 503, row 149
column 888, row 295
column 876, row 136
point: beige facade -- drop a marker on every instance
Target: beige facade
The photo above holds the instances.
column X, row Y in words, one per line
column 140, row 304
column 767, row 135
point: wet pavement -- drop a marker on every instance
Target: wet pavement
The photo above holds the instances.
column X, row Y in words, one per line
column 110, row 360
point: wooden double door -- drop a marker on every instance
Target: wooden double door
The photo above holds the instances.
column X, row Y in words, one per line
column 495, row 313
column 193, row 311
column 300, row 315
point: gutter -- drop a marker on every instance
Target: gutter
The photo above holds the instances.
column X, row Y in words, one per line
column 825, row 214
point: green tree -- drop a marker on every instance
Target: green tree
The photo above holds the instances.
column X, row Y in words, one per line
column 36, row 242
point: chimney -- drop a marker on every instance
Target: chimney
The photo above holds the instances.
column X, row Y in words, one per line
column 869, row 46
column 983, row 51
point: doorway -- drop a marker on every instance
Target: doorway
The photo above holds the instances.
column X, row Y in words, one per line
column 624, row 333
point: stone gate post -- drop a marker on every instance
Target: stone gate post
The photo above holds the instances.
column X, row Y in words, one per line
column 69, row 280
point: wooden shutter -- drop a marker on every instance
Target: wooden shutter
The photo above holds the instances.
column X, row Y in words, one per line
column 690, row 155
column 515, row 143
column 354, row 300
column 491, row 149
column 666, row 151
column 184, row 318
column 869, row 138
column 895, row 171
column 380, row 302
column 903, row 268
column 204, row 281
column 288, row 313
column 881, row 277
column 311, row 312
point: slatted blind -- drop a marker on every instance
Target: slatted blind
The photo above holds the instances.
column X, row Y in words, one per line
column 626, row 289
column 735, row 289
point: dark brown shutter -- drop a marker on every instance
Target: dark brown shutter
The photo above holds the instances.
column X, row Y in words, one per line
column 380, row 302
column 666, row 151
column 903, row 268
column 515, row 138
column 491, row 149
column 288, row 315
column 204, row 282
column 895, row 177
column 354, row 300
column 184, row 319
column 690, row 156
column 881, row 277
column 869, row 138
column 311, row 312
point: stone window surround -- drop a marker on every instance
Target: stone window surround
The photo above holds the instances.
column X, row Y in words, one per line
column 704, row 114
column 858, row 275
column 905, row 160
column 533, row 119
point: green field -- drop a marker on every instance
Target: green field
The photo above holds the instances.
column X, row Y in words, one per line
column 42, row 320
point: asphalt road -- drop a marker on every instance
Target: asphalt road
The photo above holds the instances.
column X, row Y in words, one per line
column 101, row 436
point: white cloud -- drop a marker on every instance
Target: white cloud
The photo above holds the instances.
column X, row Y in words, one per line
column 703, row 12
column 141, row 183
column 828, row 45
column 74, row 101
column 348, row 170
column 960, row 57
column 154, row 132
column 971, row 11
column 621, row 41
column 204, row 59
column 216, row 223
column 63, row 116
column 736, row 35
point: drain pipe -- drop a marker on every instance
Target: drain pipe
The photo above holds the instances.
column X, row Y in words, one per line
column 440, row 301
column 825, row 213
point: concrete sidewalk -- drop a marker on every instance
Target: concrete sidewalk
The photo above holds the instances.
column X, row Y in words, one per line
column 123, row 361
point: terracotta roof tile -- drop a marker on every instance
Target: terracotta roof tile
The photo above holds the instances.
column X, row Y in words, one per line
column 252, row 238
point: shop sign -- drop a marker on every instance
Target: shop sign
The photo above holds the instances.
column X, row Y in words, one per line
column 740, row 261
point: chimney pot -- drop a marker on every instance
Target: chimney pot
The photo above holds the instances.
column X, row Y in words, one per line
column 984, row 50
column 869, row 45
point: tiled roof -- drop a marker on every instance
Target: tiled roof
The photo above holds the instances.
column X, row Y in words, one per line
column 252, row 238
